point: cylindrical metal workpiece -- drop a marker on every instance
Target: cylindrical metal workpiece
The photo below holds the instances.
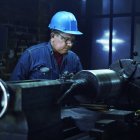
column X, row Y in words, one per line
column 102, row 83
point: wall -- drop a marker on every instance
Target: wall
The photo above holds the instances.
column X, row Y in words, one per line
column 26, row 24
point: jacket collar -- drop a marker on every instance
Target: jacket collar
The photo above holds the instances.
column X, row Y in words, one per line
column 50, row 47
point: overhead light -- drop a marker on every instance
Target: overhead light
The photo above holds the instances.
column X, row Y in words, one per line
column 105, row 41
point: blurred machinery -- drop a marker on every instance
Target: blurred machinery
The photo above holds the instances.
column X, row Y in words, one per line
column 91, row 105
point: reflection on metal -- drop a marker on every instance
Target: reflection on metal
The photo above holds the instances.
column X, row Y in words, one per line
column 103, row 83
column 105, row 41
column 4, row 102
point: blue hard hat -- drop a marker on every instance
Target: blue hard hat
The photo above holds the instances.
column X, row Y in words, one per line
column 64, row 22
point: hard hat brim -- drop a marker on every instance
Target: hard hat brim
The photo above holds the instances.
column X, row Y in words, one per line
column 73, row 32
column 67, row 32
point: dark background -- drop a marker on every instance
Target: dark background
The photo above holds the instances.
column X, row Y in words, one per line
column 25, row 22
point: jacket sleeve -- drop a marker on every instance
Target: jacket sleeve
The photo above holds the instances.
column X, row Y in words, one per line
column 21, row 71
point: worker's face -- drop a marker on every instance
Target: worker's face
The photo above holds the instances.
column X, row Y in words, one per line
column 62, row 42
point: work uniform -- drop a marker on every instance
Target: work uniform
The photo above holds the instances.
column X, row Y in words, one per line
column 38, row 62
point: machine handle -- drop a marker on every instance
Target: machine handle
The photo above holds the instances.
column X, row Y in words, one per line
column 4, row 98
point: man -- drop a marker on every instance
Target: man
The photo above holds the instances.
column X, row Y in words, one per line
column 50, row 60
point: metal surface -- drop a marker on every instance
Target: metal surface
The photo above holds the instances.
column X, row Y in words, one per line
column 101, row 84
column 37, row 99
column 127, row 68
column 40, row 103
column 4, row 98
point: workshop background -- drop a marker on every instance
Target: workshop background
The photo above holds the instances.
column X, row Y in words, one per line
column 111, row 29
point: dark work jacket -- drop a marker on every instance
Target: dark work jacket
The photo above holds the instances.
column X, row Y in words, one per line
column 38, row 62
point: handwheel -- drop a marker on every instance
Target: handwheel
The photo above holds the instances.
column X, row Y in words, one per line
column 4, row 95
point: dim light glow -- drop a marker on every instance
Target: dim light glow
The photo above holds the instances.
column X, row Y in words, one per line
column 105, row 41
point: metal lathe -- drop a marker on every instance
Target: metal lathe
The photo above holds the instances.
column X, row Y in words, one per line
column 99, row 104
